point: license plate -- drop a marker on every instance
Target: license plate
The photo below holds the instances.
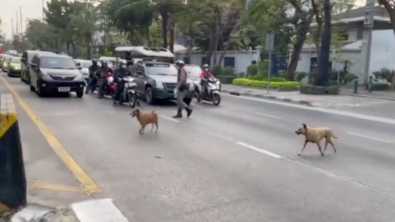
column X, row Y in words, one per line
column 64, row 89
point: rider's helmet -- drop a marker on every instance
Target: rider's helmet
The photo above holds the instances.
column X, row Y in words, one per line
column 94, row 62
column 180, row 63
column 122, row 64
column 206, row 67
column 104, row 63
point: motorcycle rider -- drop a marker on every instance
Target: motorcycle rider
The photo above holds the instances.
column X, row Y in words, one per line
column 204, row 77
column 119, row 74
column 92, row 78
column 182, row 89
column 102, row 77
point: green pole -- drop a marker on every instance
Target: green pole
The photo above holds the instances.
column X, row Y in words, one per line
column 370, row 83
column 356, row 85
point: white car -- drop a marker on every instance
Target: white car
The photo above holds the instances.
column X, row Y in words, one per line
column 84, row 64
column 194, row 72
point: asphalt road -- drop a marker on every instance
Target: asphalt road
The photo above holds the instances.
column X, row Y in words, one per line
column 235, row 162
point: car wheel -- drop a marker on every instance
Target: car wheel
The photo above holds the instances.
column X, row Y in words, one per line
column 39, row 90
column 80, row 93
column 188, row 101
column 32, row 88
column 149, row 97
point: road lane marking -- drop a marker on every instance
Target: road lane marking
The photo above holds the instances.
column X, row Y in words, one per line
column 81, row 176
column 259, row 150
column 57, row 187
column 322, row 110
column 267, row 115
column 169, row 118
column 368, row 137
column 98, row 210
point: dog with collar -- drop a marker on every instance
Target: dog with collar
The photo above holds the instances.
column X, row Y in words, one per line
column 315, row 135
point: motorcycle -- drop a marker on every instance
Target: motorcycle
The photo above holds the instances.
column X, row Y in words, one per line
column 109, row 87
column 211, row 93
column 129, row 93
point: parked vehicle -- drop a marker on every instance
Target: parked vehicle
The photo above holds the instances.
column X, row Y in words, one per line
column 211, row 94
column 51, row 73
column 157, row 80
column 14, row 67
column 3, row 61
column 26, row 62
column 129, row 93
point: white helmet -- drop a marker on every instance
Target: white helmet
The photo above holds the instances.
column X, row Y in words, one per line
column 180, row 62
column 206, row 66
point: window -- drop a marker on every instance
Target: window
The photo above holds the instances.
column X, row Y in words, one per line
column 343, row 35
column 161, row 69
column 203, row 61
column 57, row 63
column 34, row 60
column 86, row 65
column 229, row 62
column 193, row 70
column 359, row 33
column 15, row 60
column 139, row 70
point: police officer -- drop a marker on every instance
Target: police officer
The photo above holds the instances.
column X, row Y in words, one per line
column 182, row 89
column 120, row 73
column 92, row 78
column 102, row 77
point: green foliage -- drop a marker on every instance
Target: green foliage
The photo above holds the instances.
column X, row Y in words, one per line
column 384, row 74
column 379, row 86
column 227, row 71
column 280, row 85
column 216, row 70
column 320, row 90
column 301, row 75
column 349, row 77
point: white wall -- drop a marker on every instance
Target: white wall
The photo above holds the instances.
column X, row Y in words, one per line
column 352, row 34
column 382, row 51
column 243, row 59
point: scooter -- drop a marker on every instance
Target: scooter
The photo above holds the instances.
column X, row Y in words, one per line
column 129, row 93
column 109, row 87
column 211, row 94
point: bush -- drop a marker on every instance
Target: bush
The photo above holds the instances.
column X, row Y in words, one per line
column 226, row 79
column 227, row 71
column 300, row 76
column 283, row 85
column 379, row 86
column 277, row 79
column 252, row 70
column 257, row 77
column 349, row 77
column 384, row 73
column 320, row 90
column 216, row 70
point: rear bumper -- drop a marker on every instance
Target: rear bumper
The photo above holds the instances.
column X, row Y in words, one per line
column 13, row 72
column 54, row 86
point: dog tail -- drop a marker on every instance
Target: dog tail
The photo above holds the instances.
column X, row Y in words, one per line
column 334, row 136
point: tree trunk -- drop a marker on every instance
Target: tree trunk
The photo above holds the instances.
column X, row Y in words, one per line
column 172, row 36
column 323, row 65
column 226, row 46
column 165, row 21
column 211, row 46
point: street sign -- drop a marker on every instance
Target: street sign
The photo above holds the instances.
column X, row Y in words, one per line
column 269, row 41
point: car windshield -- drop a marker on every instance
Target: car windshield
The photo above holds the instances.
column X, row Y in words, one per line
column 193, row 71
column 57, row 63
column 161, row 69
column 16, row 60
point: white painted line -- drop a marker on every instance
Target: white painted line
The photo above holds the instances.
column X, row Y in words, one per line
column 369, row 137
column 220, row 136
column 259, row 150
column 318, row 109
column 270, row 116
column 102, row 210
column 169, row 118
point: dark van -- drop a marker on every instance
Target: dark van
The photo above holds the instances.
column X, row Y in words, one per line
column 26, row 61
column 55, row 73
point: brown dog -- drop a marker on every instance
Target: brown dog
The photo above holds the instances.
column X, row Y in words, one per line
column 315, row 135
column 146, row 117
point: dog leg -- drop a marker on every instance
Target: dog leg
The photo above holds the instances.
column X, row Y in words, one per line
column 141, row 131
column 326, row 145
column 319, row 148
column 156, row 124
column 304, row 146
column 152, row 127
column 333, row 146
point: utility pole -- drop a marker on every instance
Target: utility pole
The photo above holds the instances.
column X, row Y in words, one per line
column 16, row 22
column 367, row 37
column 43, row 9
column 12, row 27
column 20, row 14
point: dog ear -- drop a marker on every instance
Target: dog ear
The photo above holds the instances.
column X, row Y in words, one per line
column 304, row 125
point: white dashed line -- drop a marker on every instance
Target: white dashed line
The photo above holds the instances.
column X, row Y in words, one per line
column 368, row 137
column 169, row 118
column 259, row 150
column 267, row 115
column 98, row 210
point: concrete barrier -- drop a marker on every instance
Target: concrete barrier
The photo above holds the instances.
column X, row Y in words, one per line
column 12, row 169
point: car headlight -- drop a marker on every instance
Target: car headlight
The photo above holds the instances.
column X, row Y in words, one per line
column 5, row 65
column 159, row 85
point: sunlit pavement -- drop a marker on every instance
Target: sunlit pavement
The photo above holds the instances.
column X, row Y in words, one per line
column 235, row 162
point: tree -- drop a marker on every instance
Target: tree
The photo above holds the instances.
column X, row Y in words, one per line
column 323, row 61
column 389, row 5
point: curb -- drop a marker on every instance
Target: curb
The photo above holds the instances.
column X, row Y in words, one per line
column 367, row 96
column 269, row 97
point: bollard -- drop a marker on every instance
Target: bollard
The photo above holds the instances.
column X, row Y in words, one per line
column 370, row 83
column 356, row 85
column 12, row 169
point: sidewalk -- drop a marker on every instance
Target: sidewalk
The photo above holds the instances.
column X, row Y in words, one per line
column 326, row 101
column 362, row 92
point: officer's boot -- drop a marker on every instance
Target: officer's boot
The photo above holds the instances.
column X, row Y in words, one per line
column 189, row 111
column 179, row 114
